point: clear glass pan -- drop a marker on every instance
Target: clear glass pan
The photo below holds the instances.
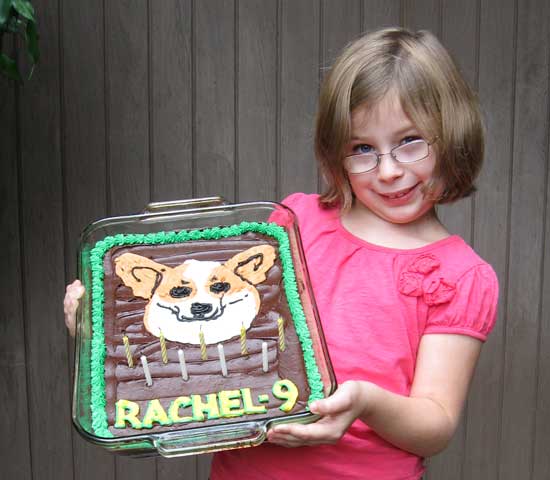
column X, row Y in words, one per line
column 188, row 215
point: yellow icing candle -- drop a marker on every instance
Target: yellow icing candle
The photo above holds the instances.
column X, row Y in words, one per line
column 281, row 326
column 244, row 350
column 128, row 351
column 163, row 348
column 204, row 355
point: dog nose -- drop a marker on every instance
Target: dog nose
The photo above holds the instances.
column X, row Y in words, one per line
column 200, row 309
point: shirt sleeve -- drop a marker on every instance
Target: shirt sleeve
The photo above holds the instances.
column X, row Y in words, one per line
column 472, row 310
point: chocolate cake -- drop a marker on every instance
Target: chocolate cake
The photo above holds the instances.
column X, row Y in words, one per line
column 196, row 328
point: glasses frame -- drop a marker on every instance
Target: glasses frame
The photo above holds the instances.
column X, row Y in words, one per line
column 380, row 155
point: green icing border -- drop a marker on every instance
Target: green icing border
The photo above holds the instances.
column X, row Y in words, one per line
column 98, row 400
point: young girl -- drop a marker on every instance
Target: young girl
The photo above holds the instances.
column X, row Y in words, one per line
column 405, row 306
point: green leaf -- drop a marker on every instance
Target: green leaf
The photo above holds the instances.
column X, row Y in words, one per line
column 31, row 37
column 5, row 7
column 9, row 68
column 24, row 8
column 13, row 24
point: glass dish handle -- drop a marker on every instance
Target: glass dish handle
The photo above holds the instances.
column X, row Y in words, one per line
column 156, row 207
column 176, row 445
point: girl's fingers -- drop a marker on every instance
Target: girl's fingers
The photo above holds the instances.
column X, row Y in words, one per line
column 73, row 294
column 286, row 440
column 75, row 290
column 312, row 434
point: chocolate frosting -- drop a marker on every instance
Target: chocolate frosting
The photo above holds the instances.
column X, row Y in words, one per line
column 124, row 316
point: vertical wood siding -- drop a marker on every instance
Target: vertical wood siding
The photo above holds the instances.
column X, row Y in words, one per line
column 139, row 100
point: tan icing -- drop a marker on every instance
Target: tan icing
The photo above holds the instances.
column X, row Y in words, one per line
column 224, row 274
column 226, row 312
column 139, row 273
column 175, row 277
column 252, row 264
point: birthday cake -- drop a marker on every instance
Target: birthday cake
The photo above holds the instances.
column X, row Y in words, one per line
column 194, row 328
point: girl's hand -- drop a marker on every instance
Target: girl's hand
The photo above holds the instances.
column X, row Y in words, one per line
column 70, row 304
column 338, row 412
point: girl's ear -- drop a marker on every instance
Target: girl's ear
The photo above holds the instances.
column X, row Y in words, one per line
column 140, row 273
column 252, row 264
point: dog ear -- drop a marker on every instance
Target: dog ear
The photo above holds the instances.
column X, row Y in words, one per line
column 252, row 264
column 140, row 273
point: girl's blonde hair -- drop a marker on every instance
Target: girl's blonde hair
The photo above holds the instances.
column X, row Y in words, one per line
column 432, row 93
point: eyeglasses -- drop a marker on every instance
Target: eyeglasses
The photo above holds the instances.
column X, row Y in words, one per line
column 409, row 152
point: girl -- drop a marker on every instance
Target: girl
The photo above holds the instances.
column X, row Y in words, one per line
column 405, row 305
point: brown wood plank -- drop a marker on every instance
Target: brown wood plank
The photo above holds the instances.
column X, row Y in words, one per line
column 257, row 101
column 460, row 24
column 299, row 75
column 84, row 166
column 541, row 467
column 127, row 80
column 127, row 84
column 203, row 466
column 41, row 228
column 342, row 22
column 173, row 468
column 171, row 107
column 381, row 13
column 526, row 241
column 422, row 15
column 490, row 229
column 214, row 31
column 14, row 437
column 171, row 113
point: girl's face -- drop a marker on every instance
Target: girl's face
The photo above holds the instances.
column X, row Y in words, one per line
column 393, row 191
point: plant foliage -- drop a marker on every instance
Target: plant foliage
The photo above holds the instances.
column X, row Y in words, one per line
column 17, row 18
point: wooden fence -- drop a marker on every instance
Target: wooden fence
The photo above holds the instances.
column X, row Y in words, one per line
column 140, row 100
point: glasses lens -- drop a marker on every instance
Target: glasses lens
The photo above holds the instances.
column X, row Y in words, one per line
column 361, row 163
column 411, row 152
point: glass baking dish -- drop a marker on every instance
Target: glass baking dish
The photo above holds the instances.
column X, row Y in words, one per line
column 228, row 409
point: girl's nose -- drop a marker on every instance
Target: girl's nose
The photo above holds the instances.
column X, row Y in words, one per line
column 389, row 169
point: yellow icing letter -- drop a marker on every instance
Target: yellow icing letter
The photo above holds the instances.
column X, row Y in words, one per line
column 155, row 413
column 200, row 408
column 285, row 390
column 173, row 411
column 127, row 411
column 248, row 404
column 230, row 402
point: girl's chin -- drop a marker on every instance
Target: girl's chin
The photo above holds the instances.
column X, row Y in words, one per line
column 409, row 212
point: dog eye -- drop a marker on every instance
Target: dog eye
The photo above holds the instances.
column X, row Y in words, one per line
column 220, row 287
column 179, row 292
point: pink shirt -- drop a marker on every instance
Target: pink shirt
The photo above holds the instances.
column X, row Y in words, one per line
column 375, row 304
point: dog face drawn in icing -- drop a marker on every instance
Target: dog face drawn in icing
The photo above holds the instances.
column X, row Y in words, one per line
column 215, row 298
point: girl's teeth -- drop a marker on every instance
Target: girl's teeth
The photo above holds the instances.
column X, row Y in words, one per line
column 398, row 195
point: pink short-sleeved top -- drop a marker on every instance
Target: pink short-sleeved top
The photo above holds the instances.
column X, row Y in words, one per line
column 375, row 304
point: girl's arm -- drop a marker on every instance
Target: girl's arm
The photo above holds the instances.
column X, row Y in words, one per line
column 422, row 423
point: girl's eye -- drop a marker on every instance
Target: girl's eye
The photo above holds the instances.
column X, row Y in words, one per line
column 362, row 149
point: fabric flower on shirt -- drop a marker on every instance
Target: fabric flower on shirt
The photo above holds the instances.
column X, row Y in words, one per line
column 420, row 279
